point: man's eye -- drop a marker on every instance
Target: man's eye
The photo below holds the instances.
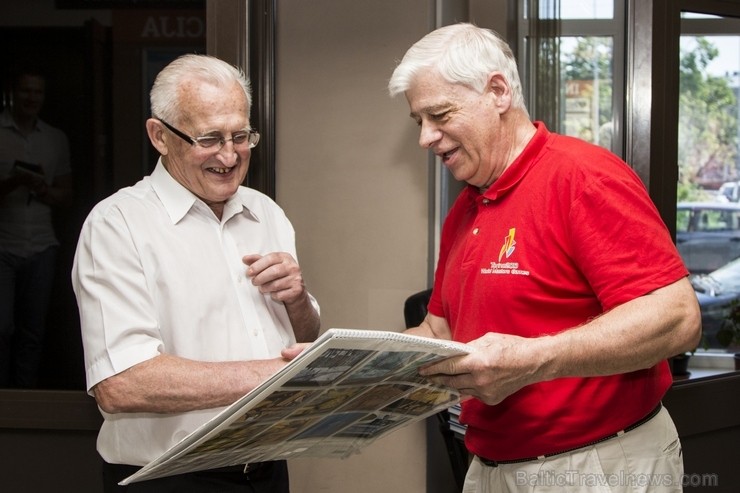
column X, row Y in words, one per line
column 240, row 138
column 209, row 141
column 438, row 116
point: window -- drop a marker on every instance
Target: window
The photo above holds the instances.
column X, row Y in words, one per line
column 590, row 42
column 708, row 157
column 588, row 87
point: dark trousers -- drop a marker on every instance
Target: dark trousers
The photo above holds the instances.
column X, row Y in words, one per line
column 265, row 477
column 25, row 289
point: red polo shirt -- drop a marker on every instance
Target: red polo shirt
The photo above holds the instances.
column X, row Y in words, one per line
column 566, row 233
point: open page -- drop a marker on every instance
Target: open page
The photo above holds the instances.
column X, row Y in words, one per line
column 346, row 390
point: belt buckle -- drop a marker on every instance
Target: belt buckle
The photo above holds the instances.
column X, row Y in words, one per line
column 488, row 462
column 256, row 470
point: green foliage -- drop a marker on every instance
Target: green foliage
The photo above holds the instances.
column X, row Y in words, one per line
column 708, row 119
column 694, row 63
column 729, row 332
column 691, row 192
column 591, row 55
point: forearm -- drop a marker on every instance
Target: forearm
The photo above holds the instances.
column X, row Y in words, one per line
column 304, row 318
column 169, row 384
column 421, row 330
column 635, row 335
column 433, row 327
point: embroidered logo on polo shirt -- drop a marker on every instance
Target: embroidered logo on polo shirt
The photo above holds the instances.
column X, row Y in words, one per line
column 507, row 250
column 509, row 245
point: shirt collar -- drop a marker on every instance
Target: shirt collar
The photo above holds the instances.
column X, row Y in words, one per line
column 7, row 121
column 521, row 165
column 178, row 200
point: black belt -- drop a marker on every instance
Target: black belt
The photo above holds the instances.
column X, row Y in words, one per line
column 260, row 470
column 256, row 471
column 648, row 417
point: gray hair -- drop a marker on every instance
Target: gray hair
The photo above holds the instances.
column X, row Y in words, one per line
column 462, row 54
column 164, row 96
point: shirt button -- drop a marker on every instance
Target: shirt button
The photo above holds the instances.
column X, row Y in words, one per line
column 475, row 231
column 485, row 201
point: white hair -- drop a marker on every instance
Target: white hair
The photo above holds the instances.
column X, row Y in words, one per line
column 462, row 54
column 164, row 96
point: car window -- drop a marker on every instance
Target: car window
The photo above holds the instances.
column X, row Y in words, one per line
column 710, row 220
column 682, row 220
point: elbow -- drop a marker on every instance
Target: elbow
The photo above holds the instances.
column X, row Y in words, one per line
column 104, row 401
column 110, row 396
column 690, row 326
column 681, row 319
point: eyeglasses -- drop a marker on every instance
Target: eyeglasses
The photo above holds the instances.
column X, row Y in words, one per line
column 251, row 137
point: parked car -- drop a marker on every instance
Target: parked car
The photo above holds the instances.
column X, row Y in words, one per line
column 730, row 190
column 716, row 291
column 707, row 234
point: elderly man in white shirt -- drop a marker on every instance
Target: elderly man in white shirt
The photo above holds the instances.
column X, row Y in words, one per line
column 187, row 283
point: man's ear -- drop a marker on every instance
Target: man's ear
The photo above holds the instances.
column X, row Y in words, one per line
column 155, row 131
column 499, row 86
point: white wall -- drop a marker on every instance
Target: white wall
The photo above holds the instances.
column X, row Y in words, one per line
column 353, row 181
column 349, row 172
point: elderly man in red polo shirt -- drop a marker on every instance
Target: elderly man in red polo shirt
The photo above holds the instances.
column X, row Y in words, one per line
column 556, row 267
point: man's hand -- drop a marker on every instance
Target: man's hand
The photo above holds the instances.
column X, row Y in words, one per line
column 499, row 365
column 291, row 352
column 277, row 274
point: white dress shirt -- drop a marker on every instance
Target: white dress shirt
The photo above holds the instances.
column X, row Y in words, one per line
column 156, row 272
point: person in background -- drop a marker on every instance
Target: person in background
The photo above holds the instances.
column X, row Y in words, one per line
column 556, row 268
column 188, row 285
column 35, row 177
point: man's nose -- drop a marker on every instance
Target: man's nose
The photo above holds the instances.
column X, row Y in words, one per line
column 428, row 135
column 228, row 153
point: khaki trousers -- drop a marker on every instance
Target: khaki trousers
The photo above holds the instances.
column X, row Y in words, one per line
column 645, row 459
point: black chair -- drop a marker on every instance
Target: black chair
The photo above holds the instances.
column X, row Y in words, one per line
column 414, row 311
